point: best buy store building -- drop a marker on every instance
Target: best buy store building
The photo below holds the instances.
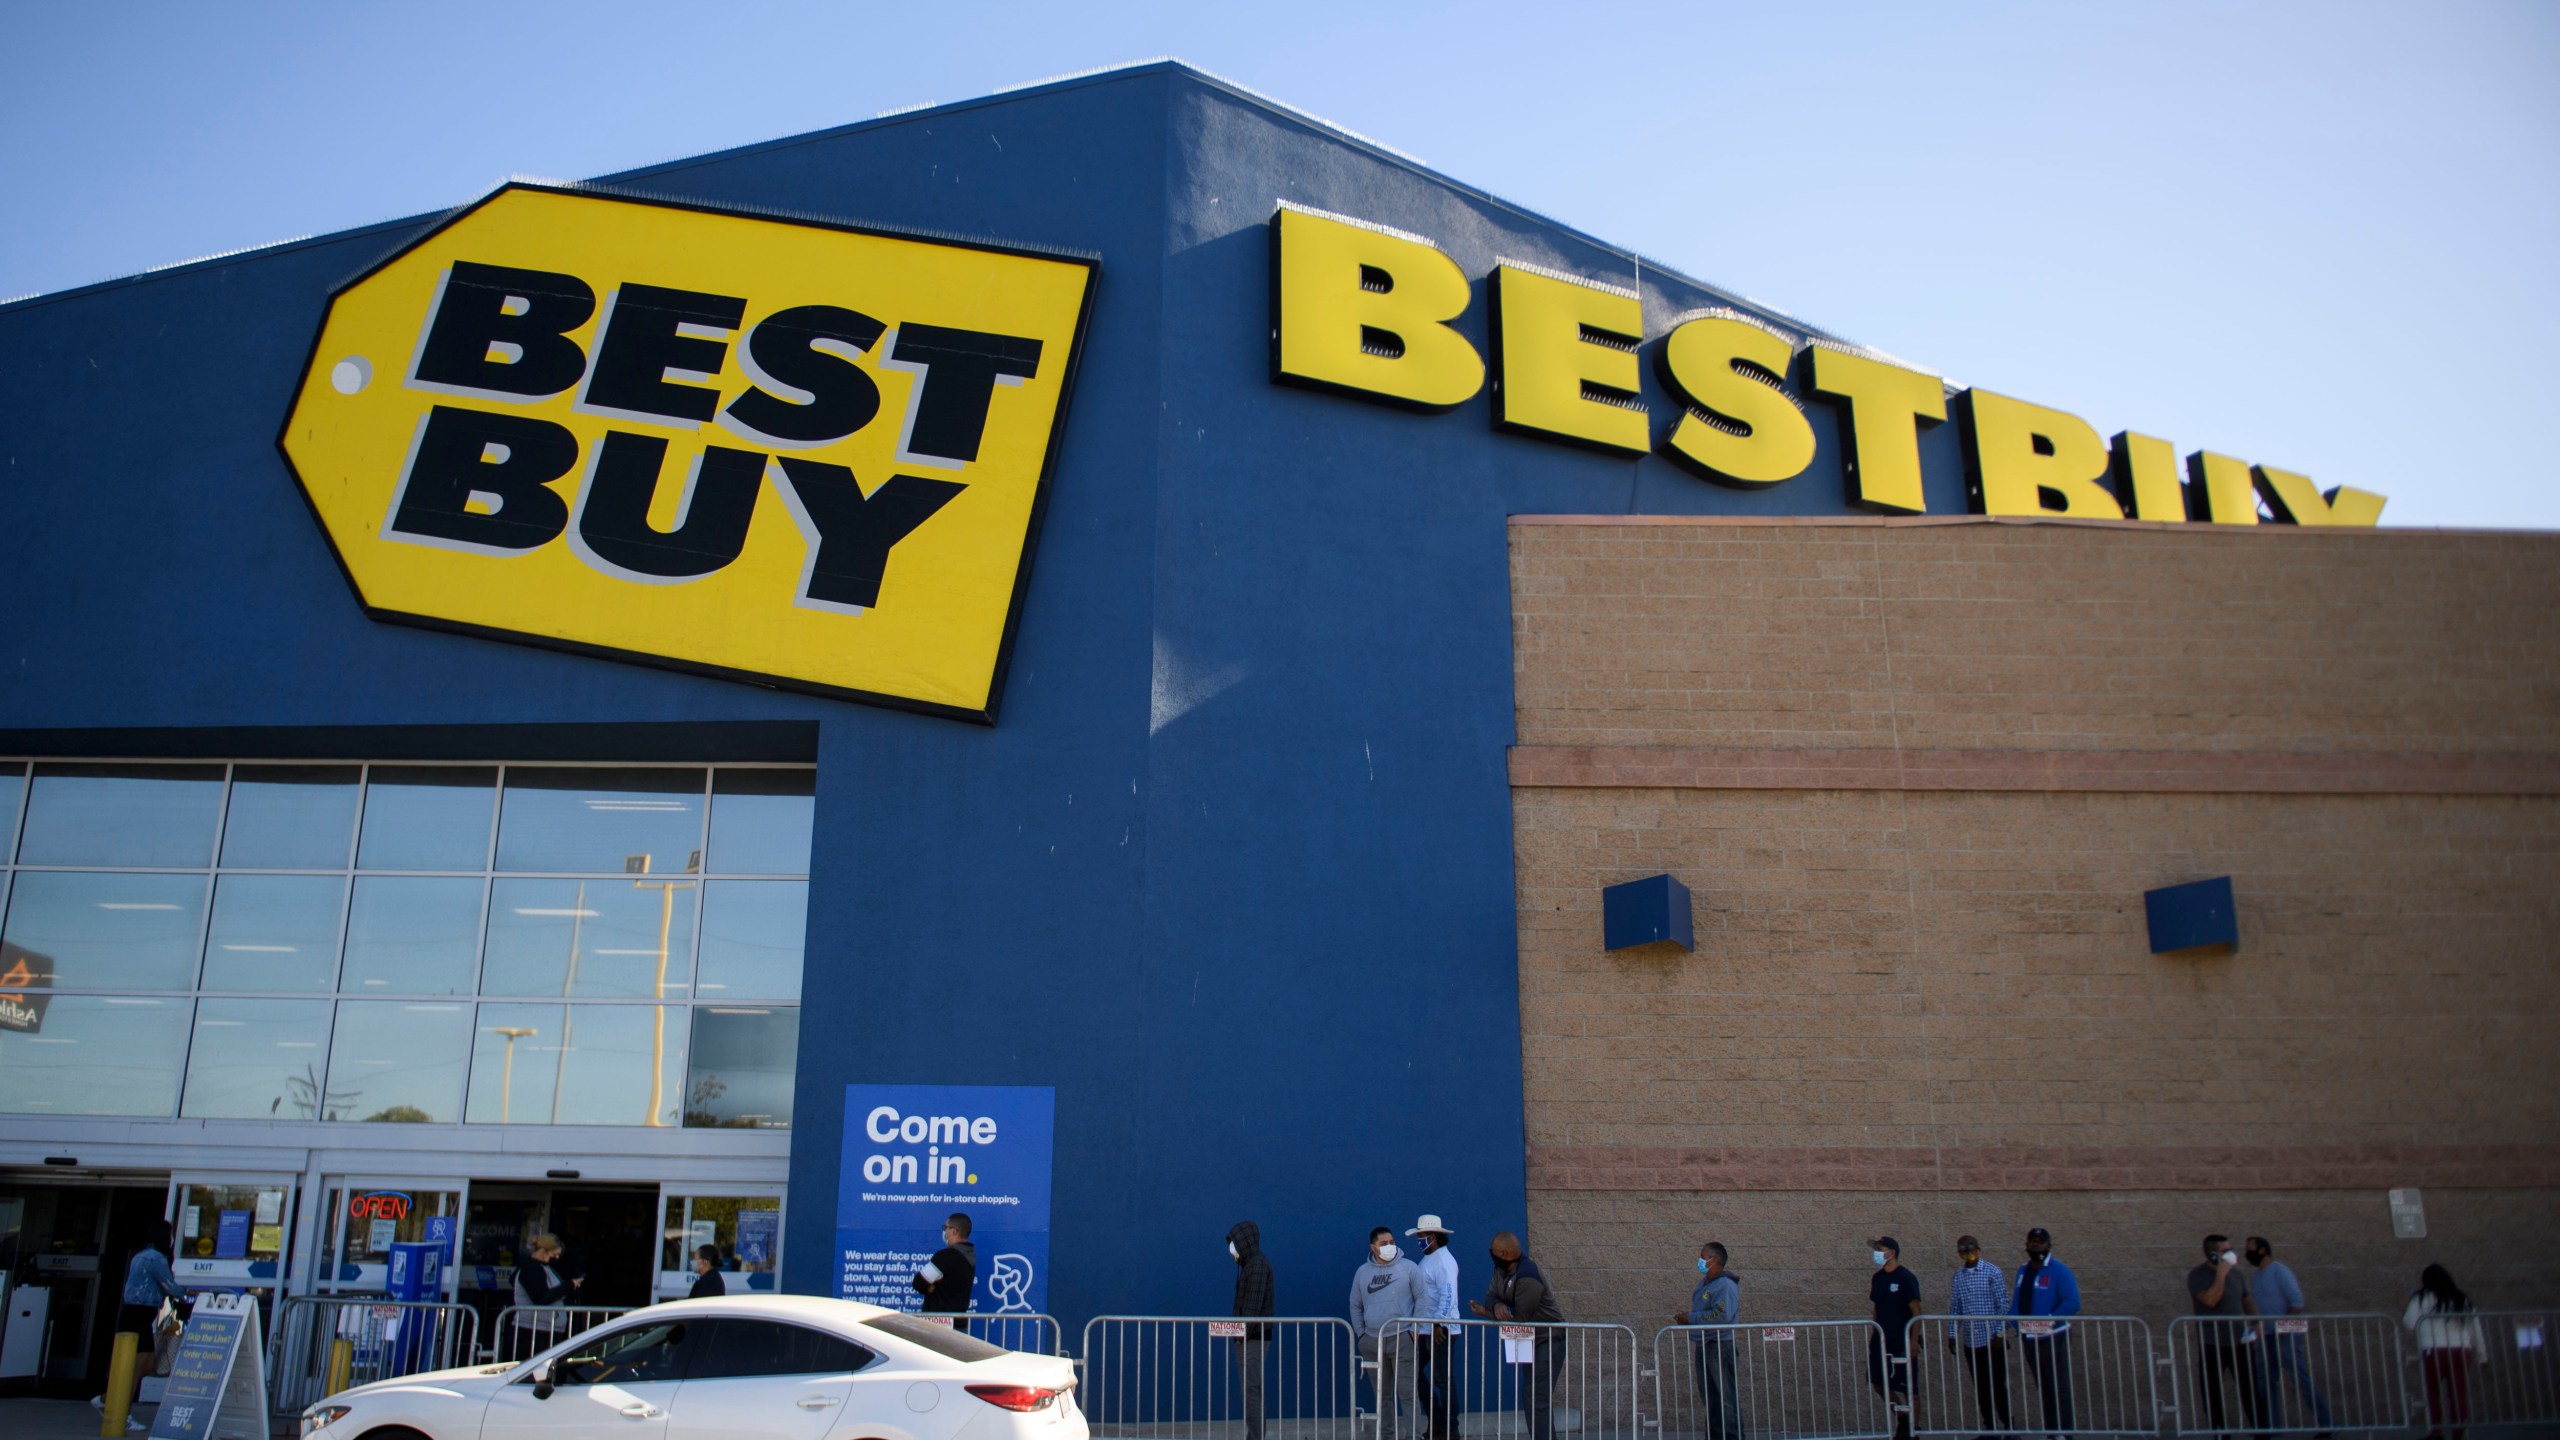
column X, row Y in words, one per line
column 1120, row 593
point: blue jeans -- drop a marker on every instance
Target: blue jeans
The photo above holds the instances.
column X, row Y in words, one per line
column 1717, row 1393
column 2285, row 1359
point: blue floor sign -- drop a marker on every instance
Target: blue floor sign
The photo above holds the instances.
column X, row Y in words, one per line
column 913, row 1154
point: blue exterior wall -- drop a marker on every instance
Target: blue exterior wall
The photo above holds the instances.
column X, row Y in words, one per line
column 1233, row 869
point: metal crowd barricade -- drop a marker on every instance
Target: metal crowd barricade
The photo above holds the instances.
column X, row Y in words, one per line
column 523, row 1331
column 2273, row 1374
column 1798, row 1380
column 2074, row 1375
column 1032, row 1334
column 1280, row 1378
column 1501, row 1377
column 326, row 1343
column 2510, row 1380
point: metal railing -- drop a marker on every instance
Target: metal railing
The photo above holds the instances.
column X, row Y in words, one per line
column 521, row 1332
column 1030, row 1333
column 2506, row 1378
column 2075, row 1375
column 2272, row 1374
column 326, row 1343
column 1797, row 1380
column 1281, row 1378
column 1501, row 1377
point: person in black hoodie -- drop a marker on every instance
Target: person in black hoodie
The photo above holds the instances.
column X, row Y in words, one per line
column 945, row 1279
column 1253, row 1297
column 1519, row 1294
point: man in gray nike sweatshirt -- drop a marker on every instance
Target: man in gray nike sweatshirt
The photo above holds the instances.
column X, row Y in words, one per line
column 1389, row 1287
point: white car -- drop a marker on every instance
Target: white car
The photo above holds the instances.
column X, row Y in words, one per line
column 746, row 1367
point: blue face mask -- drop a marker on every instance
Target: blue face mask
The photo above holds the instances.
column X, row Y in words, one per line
column 1702, row 1264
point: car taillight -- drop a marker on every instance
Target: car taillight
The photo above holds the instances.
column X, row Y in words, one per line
column 1016, row 1397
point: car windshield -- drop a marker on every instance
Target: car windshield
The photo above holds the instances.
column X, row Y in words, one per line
column 944, row 1340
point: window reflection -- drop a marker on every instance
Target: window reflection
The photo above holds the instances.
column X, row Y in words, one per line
column 412, row 935
column 290, row 817
column 605, row 937
column 760, row 821
column 274, row 932
column 122, row 815
column 13, row 786
column 600, row 819
column 109, row 931
column 96, row 1055
column 258, row 1060
column 577, row 1065
column 751, row 939
column 393, row 1061
column 427, row 817
column 742, row 1067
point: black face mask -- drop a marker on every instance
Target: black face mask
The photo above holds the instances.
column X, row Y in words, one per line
column 1499, row 1263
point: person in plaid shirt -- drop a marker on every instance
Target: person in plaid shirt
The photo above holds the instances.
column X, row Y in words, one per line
column 1979, row 1288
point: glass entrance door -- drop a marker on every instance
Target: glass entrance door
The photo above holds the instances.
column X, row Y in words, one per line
column 366, row 1216
column 231, row 1232
column 744, row 1223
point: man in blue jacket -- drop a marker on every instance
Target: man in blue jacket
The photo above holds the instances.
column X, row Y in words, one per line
column 2047, row 1290
column 1716, row 1301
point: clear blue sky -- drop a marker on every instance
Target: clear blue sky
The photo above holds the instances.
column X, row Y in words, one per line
column 2321, row 236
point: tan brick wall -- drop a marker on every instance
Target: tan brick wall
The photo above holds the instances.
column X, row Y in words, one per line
column 2044, row 636
column 1929, row 1011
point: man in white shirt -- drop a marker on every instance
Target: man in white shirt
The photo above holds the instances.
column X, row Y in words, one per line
column 1440, row 1297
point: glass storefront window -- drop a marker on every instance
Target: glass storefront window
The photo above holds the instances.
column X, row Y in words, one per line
column 396, row 1061
column 611, row 937
column 109, row 931
column 364, row 1221
column 97, row 1055
column 274, row 932
column 290, row 817
column 600, row 820
column 760, row 821
column 577, row 1065
column 232, row 1222
column 160, row 924
column 746, row 1228
column 258, row 1060
column 156, row 815
column 427, row 817
column 752, row 933
column 743, row 1059
column 13, row 787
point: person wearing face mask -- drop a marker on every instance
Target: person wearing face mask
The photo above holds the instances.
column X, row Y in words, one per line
column 2275, row 1291
column 2047, row 1290
column 1387, row 1287
column 1978, row 1288
column 945, row 1280
column 1254, row 1297
column 1519, row 1294
column 1716, row 1301
column 1895, row 1293
column 2220, row 1355
column 1440, row 1288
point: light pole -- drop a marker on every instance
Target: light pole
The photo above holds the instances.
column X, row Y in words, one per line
column 658, row 1012
column 507, row 1080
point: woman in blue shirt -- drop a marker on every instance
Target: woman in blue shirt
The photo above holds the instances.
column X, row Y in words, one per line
column 148, row 1282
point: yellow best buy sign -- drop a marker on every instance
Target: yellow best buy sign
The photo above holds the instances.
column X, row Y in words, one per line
column 792, row 452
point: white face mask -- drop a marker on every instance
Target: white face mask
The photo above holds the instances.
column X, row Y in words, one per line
column 2230, row 1258
column 1231, row 1251
column 1878, row 1254
column 1387, row 1253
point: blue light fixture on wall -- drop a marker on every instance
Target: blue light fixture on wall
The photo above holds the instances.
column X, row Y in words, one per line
column 2192, row 916
column 1642, row 912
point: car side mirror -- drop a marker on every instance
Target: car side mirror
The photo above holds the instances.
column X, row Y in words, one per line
column 542, row 1381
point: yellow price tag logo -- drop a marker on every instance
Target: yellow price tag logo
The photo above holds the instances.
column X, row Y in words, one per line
column 803, row 454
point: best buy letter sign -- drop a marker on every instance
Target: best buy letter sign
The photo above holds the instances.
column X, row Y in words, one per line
column 783, row 451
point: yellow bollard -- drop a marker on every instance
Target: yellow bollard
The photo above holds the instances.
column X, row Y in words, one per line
column 342, row 1363
column 119, row 1386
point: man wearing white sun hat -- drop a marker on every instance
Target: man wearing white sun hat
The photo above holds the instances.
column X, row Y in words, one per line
column 1440, row 1295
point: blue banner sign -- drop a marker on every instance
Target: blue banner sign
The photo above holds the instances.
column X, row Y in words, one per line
column 913, row 1154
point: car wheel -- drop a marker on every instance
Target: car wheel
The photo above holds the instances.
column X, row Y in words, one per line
column 394, row 1432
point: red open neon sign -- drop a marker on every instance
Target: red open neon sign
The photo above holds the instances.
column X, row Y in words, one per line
column 383, row 1205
